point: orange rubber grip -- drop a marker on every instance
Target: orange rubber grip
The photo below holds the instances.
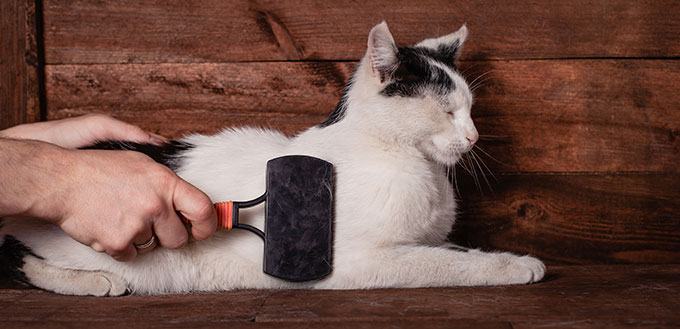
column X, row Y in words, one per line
column 225, row 213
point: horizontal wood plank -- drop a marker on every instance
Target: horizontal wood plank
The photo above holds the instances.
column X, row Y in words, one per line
column 608, row 296
column 618, row 296
column 125, row 31
column 574, row 218
column 160, row 323
column 585, row 115
column 197, row 307
column 534, row 116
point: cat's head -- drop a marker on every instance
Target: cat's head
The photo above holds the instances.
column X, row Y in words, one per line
column 415, row 95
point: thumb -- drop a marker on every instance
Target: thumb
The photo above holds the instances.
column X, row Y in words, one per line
column 197, row 208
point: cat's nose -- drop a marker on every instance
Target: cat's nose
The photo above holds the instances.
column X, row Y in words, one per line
column 472, row 138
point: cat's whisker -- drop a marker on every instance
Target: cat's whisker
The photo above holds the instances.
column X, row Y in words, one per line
column 475, row 157
column 487, row 167
column 464, row 165
column 480, row 80
column 468, row 68
column 474, row 173
column 478, row 85
column 477, row 79
column 455, row 180
column 487, row 154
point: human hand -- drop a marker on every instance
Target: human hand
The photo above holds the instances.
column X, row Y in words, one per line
column 81, row 131
column 108, row 200
column 112, row 200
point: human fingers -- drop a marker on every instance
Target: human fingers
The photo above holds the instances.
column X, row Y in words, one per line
column 120, row 250
column 123, row 255
column 197, row 207
column 145, row 245
column 103, row 127
column 169, row 230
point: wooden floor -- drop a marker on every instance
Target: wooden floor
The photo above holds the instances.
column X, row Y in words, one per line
column 602, row 296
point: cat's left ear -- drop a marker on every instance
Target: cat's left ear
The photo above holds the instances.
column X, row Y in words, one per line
column 448, row 46
column 382, row 52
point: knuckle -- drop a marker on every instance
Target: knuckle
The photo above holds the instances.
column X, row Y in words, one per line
column 160, row 174
column 117, row 247
column 154, row 208
column 137, row 226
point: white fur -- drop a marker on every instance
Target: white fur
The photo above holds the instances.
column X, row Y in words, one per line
column 393, row 203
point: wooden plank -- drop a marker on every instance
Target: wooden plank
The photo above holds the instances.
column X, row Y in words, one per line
column 597, row 296
column 157, row 310
column 585, row 115
column 537, row 116
column 19, row 101
column 174, row 99
column 218, row 31
column 574, row 218
column 637, row 296
column 377, row 324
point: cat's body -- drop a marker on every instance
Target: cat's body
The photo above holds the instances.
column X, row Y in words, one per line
column 390, row 140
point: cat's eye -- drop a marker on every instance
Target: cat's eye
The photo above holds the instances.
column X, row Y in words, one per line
column 449, row 113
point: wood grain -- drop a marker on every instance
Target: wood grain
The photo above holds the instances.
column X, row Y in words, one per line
column 574, row 218
column 174, row 99
column 226, row 31
column 608, row 296
column 19, row 101
column 583, row 115
column 612, row 296
column 535, row 116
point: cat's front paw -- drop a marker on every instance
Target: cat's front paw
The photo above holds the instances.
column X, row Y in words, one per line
column 104, row 284
column 522, row 269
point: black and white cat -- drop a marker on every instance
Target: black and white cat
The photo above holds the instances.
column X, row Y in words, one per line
column 403, row 119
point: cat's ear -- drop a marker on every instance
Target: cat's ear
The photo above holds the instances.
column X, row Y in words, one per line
column 448, row 46
column 382, row 52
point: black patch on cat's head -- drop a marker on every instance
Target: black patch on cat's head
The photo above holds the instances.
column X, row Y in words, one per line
column 166, row 154
column 415, row 75
column 12, row 253
column 446, row 53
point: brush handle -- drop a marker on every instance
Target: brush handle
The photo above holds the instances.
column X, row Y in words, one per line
column 227, row 214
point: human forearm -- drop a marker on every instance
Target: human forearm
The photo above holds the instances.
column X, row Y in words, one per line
column 30, row 178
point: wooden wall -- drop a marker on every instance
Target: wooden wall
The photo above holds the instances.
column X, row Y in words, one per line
column 579, row 104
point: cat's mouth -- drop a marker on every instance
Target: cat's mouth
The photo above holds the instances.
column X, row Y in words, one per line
column 449, row 156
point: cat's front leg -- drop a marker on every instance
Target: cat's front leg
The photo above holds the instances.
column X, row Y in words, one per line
column 426, row 266
column 72, row 282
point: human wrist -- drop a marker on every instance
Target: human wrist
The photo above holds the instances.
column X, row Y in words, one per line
column 32, row 176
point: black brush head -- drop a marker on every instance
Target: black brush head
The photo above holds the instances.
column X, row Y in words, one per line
column 298, row 218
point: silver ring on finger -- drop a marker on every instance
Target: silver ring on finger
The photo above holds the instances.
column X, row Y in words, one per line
column 147, row 244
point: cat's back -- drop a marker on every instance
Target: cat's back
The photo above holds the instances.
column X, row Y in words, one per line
column 231, row 164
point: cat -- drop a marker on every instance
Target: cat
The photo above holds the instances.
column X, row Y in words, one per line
column 402, row 120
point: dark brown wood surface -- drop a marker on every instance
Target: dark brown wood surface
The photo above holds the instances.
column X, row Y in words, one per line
column 619, row 296
column 218, row 31
column 540, row 116
column 574, row 218
column 19, row 99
